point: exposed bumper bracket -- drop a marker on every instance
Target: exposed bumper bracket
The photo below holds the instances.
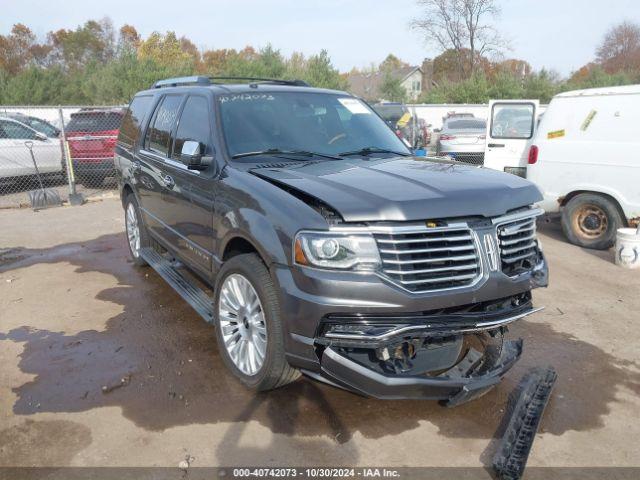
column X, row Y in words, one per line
column 453, row 390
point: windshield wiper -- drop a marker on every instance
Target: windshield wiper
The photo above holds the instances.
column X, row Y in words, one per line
column 369, row 150
column 277, row 151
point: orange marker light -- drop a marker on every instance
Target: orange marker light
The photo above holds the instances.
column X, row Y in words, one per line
column 299, row 253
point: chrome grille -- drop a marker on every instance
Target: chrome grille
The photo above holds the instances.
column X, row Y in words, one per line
column 517, row 243
column 426, row 259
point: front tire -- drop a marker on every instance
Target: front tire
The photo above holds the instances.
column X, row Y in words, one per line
column 137, row 236
column 249, row 325
column 591, row 221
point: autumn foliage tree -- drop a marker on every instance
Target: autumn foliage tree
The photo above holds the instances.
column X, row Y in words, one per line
column 620, row 49
column 463, row 27
column 617, row 60
column 95, row 64
column 19, row 50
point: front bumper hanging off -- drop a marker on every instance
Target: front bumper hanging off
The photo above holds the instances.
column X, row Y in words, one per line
column 453, row 389
column 454, row 361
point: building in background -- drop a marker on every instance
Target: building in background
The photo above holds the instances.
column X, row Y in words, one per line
column 414, row 79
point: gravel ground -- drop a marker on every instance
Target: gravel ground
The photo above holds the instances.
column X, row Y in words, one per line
column 77, row 316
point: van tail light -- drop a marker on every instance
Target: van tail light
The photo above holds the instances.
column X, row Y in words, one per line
column 533, row 154
column 447, row 137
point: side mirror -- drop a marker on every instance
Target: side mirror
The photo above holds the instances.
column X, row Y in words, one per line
column 436, row 130
column 41, row 136
column 192, row 157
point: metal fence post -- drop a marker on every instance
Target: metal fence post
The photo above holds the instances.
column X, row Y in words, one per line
column 414, row 121
column 74, row 197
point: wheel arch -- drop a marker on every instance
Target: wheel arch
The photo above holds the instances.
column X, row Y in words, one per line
column 125, row 192
column 237, row 245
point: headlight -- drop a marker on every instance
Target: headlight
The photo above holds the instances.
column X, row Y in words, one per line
column 337, row 251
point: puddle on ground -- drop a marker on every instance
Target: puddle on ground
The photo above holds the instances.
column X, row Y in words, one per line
column 174, row 376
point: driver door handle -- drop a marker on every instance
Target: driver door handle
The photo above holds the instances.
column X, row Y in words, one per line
column 168, row 181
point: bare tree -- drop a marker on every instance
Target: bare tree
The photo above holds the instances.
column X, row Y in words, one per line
column 463, row 27
column 620, row 48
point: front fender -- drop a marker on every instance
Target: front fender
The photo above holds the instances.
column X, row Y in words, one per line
column 256, row 229
column 263, row 214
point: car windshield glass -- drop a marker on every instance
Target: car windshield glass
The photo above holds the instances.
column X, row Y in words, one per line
column 322, row 123
column 94, row 122
column 390, row 113
column 43, row 127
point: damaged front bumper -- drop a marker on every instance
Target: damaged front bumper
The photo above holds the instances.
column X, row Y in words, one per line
column 467, row 381
column 452, row 358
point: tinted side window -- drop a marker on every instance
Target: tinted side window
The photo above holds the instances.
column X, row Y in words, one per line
column 158, row 139
column 194, row 125
column 44, row 127
column 130, row 129
column 15, row 131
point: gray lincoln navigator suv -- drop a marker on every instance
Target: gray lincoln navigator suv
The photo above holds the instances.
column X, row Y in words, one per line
column 295, row 220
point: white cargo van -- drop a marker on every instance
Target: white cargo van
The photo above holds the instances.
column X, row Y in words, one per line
column 584, row 155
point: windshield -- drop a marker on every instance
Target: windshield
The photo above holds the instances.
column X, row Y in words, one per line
column 92, row 122
column 43, row 127
column 302, row 121
column 390, row 113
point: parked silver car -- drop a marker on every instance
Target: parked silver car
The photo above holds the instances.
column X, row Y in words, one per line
column 463, row 139
column 15, row 159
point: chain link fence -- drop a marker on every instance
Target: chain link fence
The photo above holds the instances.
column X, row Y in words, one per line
column 472, row 158
column 70, row 149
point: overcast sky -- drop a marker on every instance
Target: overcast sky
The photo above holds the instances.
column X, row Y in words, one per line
column 556, row 34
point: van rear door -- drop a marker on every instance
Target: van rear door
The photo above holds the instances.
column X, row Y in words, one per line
column 510, row 128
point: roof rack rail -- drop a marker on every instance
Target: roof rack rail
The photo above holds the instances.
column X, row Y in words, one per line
column 279, row 81
column 179, row 81
column 201, row 80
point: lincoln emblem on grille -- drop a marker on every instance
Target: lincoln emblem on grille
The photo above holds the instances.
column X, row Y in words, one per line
column 492, row 251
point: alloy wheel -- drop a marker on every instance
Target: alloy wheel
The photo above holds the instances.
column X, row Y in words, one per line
column 242, row 324
column 133, row 230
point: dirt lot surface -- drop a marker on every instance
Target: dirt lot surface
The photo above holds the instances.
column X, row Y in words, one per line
column 76, row 316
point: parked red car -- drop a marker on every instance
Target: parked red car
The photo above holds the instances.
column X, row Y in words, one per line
column 92, row 135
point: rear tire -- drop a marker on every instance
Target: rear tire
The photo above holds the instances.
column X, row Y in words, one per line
column 136, row 232
column 236, row 323
column 591, row 221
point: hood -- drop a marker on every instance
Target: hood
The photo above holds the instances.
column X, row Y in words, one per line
column 405, row 188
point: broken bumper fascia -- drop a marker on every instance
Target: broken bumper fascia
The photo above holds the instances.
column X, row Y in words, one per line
column 393, row 327
column 452, row 390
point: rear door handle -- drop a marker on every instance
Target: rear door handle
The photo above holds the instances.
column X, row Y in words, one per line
column 168, row 181
column 496, row 145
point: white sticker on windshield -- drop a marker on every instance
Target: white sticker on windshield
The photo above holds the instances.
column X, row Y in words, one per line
column 354, row 105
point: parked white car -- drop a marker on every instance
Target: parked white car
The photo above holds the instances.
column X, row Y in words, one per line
column 15, row 159
column 584, row 156
column 463, row 138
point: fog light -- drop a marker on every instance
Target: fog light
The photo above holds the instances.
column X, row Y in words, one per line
column 364, row 331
